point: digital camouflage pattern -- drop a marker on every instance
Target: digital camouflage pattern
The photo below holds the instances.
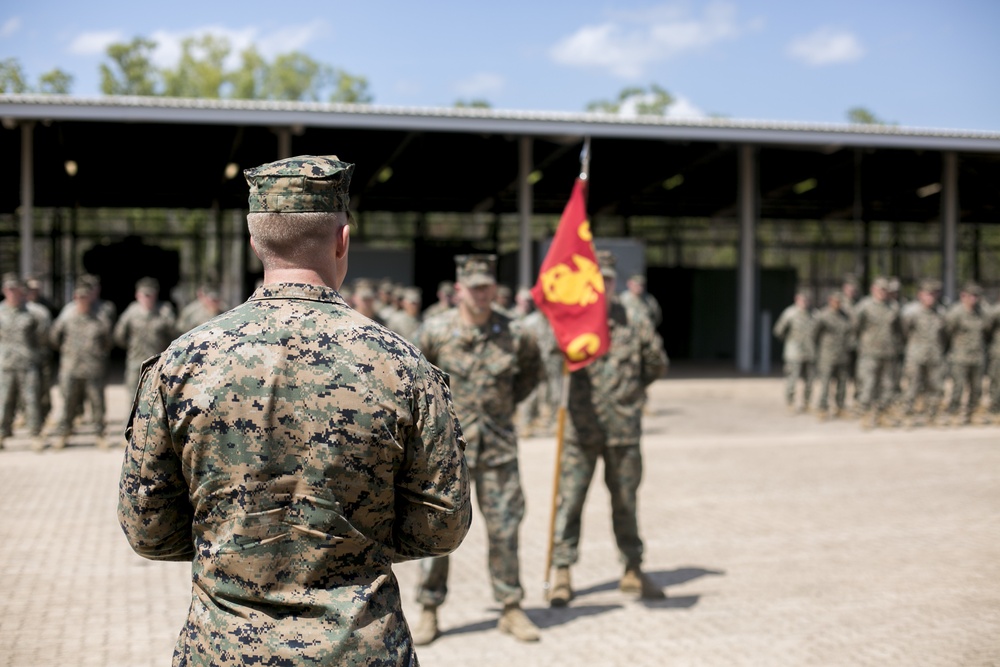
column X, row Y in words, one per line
column 923, row 361
column 23, row 333
column 300, row 184
column 795, row 326
column 84, row 344
column 294, row 450
column 967, row 331
column 605, row 404
column 833, row 330
column 492, row 368
column 143, row 334
column 877, row 330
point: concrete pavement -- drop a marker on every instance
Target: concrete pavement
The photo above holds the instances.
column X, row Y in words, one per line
column 779, row 541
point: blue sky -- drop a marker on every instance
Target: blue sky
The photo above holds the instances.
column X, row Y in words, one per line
column 918, row 63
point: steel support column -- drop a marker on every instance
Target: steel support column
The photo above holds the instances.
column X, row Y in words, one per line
column 746, row 279
column 949, row 224
column 27, row 199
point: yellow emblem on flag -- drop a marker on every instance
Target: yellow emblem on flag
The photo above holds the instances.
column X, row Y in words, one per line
column 583, row 346
column 580, row 287
column 583, row 231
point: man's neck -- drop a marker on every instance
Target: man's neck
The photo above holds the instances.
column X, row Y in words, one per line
column 301, row 276
column 476, row 318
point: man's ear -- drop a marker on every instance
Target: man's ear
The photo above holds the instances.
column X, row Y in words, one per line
column 343, row 241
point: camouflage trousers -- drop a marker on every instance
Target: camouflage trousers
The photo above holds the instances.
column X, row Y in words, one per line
column 875, row 376
column 967, row 382
column 74, row 390
column 622, row 474
column 923, row 378
column 994, row 375
column 837, row 374
column 795, row 371
column 25, row 385
column 501, row 502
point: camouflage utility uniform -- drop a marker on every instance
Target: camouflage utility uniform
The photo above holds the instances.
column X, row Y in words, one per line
column 993, row 365
column 319, row 449
column 967, row 353
column 795, row 328
column 876, row 325
column 606, row 399
column 84, row 344
column 23, row 332
column 833, row 333
column 492, row 368
column 923, row 365
column 143, row 333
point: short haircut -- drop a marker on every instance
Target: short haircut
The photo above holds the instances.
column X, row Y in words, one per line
column 293, row 237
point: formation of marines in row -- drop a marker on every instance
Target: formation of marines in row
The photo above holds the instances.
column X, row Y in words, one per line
column 72, row 348
column 899, row 355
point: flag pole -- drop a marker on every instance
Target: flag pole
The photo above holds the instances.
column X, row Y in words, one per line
column 561, row 417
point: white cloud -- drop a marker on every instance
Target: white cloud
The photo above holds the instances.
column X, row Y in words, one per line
column 684, row 108
column 168, row 43
column 10, row 26
column 482, row 83
column 826, row 46
column 631, row 41
column 94, row 43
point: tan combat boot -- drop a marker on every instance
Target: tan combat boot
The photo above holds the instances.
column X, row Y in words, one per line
column 426, row 629
column 37, row 443
column 514, row 622
column 562, row 590
column 60, row 442
column 101, row 442
column 635, row 581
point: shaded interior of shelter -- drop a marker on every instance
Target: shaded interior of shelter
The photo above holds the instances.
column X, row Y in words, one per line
column 862, row 201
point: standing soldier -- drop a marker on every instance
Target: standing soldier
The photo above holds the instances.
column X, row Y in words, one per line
column 493, row 366
column 876, row 325
column 993, row 368
column 923, row 367
column 206, row 305
column 636, row 296
column 406, row 320
column 833, row 333
column 145, row 329
column 795, row 328
column 606, row 399
column 445, row 296
column 966, row 326
column 23, row 334
column 83, row 338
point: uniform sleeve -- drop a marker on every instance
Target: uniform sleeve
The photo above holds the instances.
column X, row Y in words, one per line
column 529, row 364
column 433, row 505
column 654, row 356
column 781, row 326
column 154, row 508
column 120, row 333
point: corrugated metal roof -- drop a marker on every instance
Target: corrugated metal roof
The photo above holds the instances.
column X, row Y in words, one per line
column 494, row 121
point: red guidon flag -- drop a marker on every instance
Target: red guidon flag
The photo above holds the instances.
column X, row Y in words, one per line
column 570, row 288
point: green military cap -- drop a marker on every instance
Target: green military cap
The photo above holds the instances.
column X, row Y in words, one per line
column 835, row 294
column 307, row 183
column 148, row 285
column 881, row 282
column 607, row 261
column 82, row 289
column 638, row 278
column 476, row 270
column 447, row 287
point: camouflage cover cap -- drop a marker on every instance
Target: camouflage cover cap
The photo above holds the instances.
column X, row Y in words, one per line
column 11, row 280
column 307, row 183
column 972, row 288
column 412, row 294
column 931, row 285
column 607, row 261
column 148, row 285
column 476, row 270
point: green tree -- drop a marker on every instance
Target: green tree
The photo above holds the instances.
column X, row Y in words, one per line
column 55, row 82
column 350, row 89
column 652, row 101
column 131, row 71
column 296, row 76
column 248, row 81
column 862, row 116
column 12, row 76
column 200, row 72
column 473, row 104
